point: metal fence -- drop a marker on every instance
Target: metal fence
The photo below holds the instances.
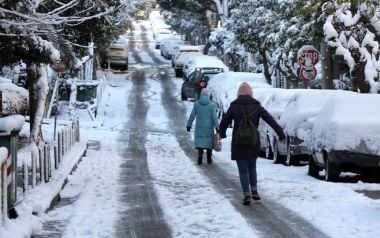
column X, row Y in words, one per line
column 44, row 161
column 49, row 156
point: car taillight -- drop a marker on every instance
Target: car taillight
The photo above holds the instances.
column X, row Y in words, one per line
column 202, row 84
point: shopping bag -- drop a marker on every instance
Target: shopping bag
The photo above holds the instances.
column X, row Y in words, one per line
column 217, row 142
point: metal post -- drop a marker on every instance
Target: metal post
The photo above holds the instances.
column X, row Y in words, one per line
column 26, row 178
column 55, row 156
column 63, row 142
column 34, row 169
column 42, row 163
column 49, row 159
column 59, row 146
column 46, row 164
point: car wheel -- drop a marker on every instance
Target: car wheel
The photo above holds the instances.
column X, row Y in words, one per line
column 291, row 159
column 268, row 150
column 177, row 73
column 278, row 159
column 183, row 96
column 313, row 169
column 331, row 171
column 126, row 66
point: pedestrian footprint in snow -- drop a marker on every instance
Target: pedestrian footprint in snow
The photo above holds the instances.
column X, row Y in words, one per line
column 246, row 112
column 204, row 111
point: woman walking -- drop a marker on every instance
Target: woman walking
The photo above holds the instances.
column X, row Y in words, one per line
column 204, row 111
column 246, row 155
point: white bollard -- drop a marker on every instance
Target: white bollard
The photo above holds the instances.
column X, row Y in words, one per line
column 3, row 191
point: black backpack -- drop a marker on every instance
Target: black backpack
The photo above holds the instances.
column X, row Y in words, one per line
column 246, row 133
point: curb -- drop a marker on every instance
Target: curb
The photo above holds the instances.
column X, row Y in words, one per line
column 57, row 198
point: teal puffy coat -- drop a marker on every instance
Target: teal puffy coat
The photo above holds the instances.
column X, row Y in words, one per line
column 204, row 111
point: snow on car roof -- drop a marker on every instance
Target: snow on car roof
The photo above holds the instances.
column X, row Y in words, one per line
column 278, row 101
column 205, row 61
column 303, row 105
column 189, row 47
column 348, row 122
column 224, row 86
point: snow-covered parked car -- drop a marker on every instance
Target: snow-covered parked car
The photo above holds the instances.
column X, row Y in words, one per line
column 190, row 49
column 224, row 86
column 275, row 105
column 263, row 95
column 169, row 46
column 117, row 54
column 202, row 61
column 346, row 136
column 161, row 35
column 297, row 121
column 192, row 87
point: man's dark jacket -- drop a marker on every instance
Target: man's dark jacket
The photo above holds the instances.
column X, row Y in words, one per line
column 235, row 113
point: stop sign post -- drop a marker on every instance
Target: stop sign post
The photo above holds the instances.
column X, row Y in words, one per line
column 308, row 57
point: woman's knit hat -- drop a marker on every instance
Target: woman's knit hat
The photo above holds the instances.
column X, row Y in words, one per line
column 245, row 89
column 205, row 91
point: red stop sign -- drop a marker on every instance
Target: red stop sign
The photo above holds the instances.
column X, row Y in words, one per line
column 308, row 55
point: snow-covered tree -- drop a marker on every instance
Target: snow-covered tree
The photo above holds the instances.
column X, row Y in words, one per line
column 353, row 30
column 38, row 32
column 273, row 31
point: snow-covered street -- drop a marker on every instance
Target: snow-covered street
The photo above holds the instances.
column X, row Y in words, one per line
column 140, row 177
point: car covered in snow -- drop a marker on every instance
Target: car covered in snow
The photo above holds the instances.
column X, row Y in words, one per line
column 117, row 54
column 275, row 105
column 263, row 95
column 192, row 87
column 297, row 121
column 346, row 136
column 189, row 49
column 224, row 86
column 202, row 61
column 169, row 46
column 161, row 35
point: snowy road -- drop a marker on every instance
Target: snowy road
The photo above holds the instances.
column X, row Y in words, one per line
column 140, row 177
column 144, row 130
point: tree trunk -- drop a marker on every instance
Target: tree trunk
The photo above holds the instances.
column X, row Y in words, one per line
column 32, row 78
column 358, row 78
column 38, row 90
column 266, row 66
column 327, row 78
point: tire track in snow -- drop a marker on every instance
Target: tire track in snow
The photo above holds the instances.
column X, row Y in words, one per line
column 144, row 217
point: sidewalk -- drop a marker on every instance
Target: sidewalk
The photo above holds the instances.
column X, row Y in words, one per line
column 37, row 201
